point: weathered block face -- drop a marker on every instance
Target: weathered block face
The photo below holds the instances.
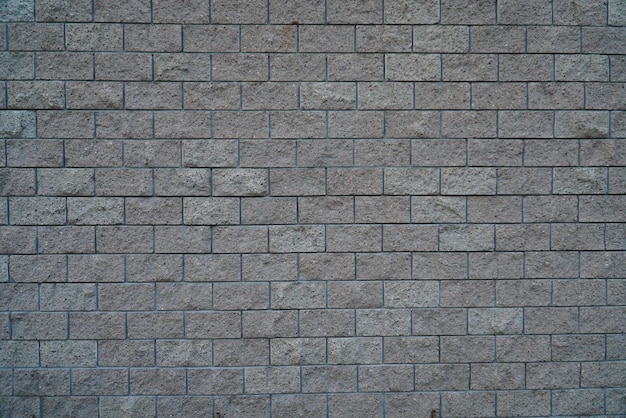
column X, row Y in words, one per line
column 342, row 208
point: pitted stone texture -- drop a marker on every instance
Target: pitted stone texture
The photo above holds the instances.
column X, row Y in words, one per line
column 272, row 208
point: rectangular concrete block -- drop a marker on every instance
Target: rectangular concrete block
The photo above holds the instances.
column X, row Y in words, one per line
column 381, row 209
column 67, row 297
column 18, row 181
column 155, row 325
column 179, row 239
column 275, row 267
column 216, row 381
column 293, row 67
column 309, row 124
column 213, row 325
column 212, row 267
column 360, row 350
column 95, row 268
column 68, row 353
column 157, row 381
column 191, row 406
column 332, row 323
column 59, row 405
column 438, row 209
column 19, row 353
column 520, row 293
column 328, row 378
column 228, row 296
column 410, row 124
column 211, row 211
column 146, row 95
column 357, row 294
column 577, row 402
column 435, row 321
column 144, row 38
column 193, row 12
column 129, row 67
column 90, row 153
column 326, row 96
column 93, row 37
column 454, row 377
column 39, row 326
column 612, row 319
column 325, row 209
column 410, row 238
column 473, row 348
column 478, row 67
column 465, row 12
column 375, row 152
column 274, row 379
column 386, row 378
column 372, row 322
column 405, row 67
column 497, row 376
column 154, row 267
column 153, row 210
column 477, row 404
column 298, row 351
column 518, row 67
column 298, row 295
column 485, row 152
column 488, row 39
column 246, row 239
column 360, row 181
column 530, row 237
column 448, row 39
column 124, row 125
column 554, row 96
column 535, row 402
column 379, row 38
column 411, row 294
column 516, row 348
column 95, row 210
column 358, row 238
column 383, row 266
column 544, row 153
column 125, row 296
column 37, row 210
column 35, row 94
column 38, row 268
column 19, row 297
column 442, row 95
column 94, row 95
column 190, row 296
column 525, row 124
column 241, row 352
column 97, row 325
column 468, row 181
column 326, row 266
column 270, row 324
column 287, row 12
column 257, row 38
column 170, row 124
column 546, row 320
column 42, row 382
column 570, row 237
column 411, row 349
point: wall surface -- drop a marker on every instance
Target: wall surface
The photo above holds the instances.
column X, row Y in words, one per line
column 315, row 208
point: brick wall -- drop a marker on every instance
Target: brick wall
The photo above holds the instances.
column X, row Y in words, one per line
column 316, row 208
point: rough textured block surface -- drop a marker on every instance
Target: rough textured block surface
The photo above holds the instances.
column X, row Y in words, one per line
column 320, row 208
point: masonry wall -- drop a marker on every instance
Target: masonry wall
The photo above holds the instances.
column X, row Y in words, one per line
column 316, row 208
